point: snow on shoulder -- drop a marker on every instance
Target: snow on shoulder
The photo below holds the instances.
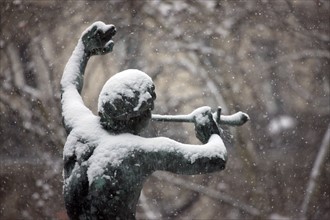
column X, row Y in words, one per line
column 113, row 149
column 95, row 148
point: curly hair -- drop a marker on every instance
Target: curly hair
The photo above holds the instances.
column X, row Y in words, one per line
column 125, row 100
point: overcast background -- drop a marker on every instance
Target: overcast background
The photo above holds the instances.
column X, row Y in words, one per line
column 267, row 58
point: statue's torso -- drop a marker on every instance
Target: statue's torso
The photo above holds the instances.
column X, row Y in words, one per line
column 97, row 187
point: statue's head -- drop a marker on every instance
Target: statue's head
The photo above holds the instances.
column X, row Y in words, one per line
column 126, row 101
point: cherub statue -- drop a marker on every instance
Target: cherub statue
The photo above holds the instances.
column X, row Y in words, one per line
column 105, row 160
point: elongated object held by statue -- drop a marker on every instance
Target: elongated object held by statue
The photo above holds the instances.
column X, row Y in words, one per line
column 237, row 119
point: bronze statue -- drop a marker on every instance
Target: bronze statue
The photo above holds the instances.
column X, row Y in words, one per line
column 105, row 160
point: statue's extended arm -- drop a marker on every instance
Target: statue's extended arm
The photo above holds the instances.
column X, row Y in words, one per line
column 95, row 40
column 168, row 155
column 176, row 157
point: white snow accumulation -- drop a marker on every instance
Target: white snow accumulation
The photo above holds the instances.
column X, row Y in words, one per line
column 124, row 84
column 199, row 115
column 100, row 26
column 112, row 149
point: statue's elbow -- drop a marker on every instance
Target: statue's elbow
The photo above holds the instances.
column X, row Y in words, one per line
column 221, row 163
column 221, row 160
column 215, row 164
column 223, row 166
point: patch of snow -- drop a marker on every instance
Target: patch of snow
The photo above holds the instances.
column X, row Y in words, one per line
column 71, row 70
column 113, row 149
column 125, row 84
column 100, row 26
column 199, row 117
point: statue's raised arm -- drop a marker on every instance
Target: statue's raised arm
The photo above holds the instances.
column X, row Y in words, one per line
column 95, row 40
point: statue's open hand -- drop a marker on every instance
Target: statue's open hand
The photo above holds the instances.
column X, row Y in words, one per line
column 97, row 38
column 205, row 125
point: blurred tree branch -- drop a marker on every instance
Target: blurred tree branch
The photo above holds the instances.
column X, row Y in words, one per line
column 214, row 194
column 315, row 173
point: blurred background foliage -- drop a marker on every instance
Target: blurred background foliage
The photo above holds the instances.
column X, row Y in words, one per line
column 267, row 58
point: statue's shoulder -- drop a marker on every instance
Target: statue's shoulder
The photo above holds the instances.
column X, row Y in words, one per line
column 78, row 147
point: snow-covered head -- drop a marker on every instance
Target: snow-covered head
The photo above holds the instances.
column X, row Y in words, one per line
column 126, row 101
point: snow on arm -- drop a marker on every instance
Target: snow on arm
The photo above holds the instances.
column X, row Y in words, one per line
column 73, row 107
column 124, row 145
column 74, row 69
column 96, row 39
column 214, row 148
